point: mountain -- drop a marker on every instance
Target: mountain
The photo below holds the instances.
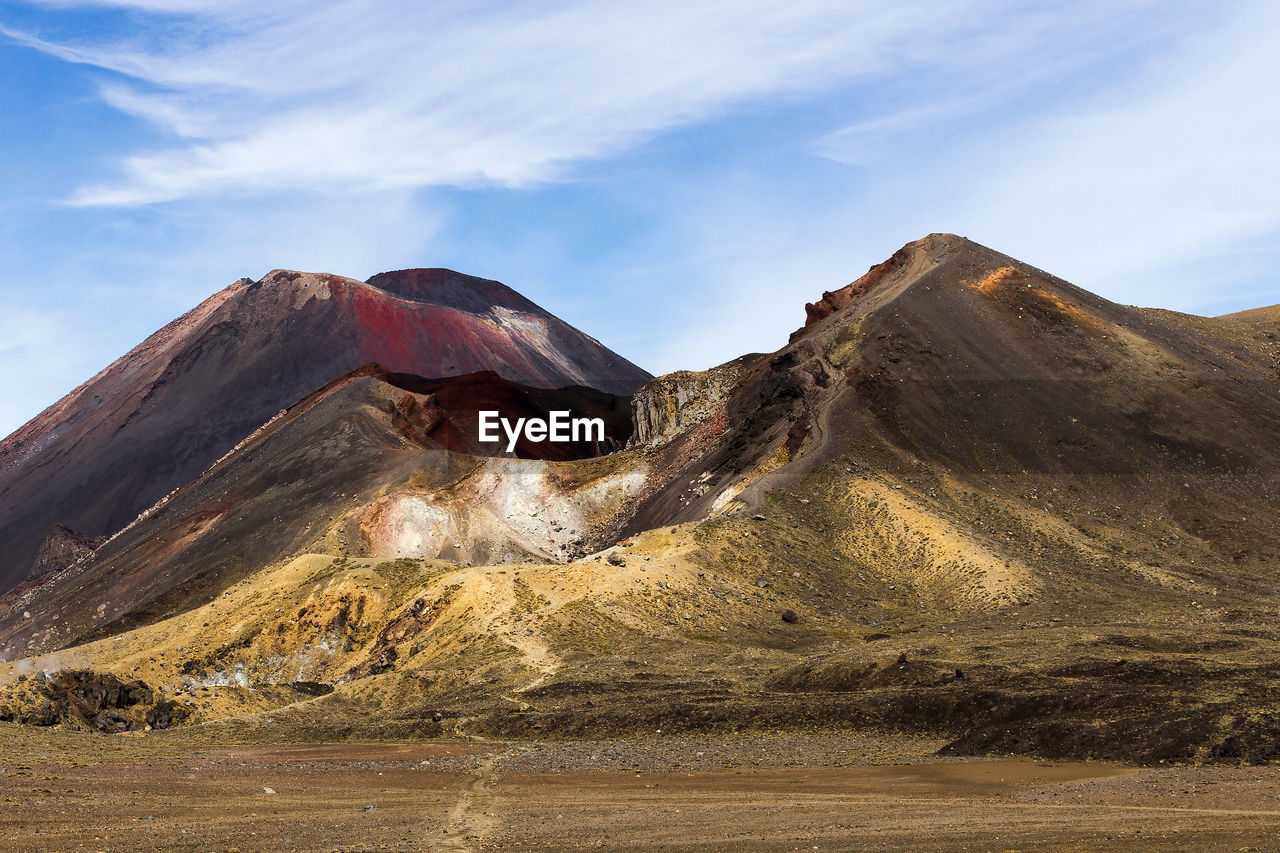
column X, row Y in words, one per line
column 160, row 415
column 967, row 499
column 291, row 487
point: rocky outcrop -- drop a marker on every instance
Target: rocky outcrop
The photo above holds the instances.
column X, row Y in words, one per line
column 165, row 714
column 414, row 620
column 833, row 300
column 82, row 697
column 61, row 548
column 907, row 263
column 676, row 402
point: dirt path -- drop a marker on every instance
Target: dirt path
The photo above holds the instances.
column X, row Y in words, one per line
column 472, row 816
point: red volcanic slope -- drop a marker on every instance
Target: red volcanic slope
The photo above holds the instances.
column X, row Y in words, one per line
column 160, row 415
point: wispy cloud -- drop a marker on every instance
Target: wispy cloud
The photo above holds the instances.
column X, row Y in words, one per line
column 351, row 95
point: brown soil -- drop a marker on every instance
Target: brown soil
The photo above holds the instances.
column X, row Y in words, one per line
column 178, row 791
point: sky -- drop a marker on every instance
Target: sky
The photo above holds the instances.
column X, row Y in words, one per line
column 674, row 177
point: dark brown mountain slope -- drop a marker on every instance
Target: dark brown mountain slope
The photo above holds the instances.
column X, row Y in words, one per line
column 964, row 360
column 1251, row 339
column 289, row 487
column 1268, row 315
column 160, row 415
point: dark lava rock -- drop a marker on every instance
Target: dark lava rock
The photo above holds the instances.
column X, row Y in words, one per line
column 61, row 548
column 790, row 617
column 94, row 691
column 85, row 697
column 311, row 688
column 411, row 622
column 43, row 714
column 110, row 721
column 166, row 713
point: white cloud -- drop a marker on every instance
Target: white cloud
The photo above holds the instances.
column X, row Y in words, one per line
column 351, row 95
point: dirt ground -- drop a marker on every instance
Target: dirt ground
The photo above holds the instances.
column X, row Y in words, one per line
column 78, row 792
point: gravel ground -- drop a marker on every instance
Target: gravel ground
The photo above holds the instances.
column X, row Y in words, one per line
column 826, row 791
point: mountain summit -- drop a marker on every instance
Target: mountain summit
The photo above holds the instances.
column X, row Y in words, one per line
column 160, row 415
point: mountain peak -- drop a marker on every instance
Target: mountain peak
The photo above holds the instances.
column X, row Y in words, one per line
column 427, row 285
column 447, row 287
column 225, row 368
column 904, row 266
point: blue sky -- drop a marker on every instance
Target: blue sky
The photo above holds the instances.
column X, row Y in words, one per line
column 675, row 178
